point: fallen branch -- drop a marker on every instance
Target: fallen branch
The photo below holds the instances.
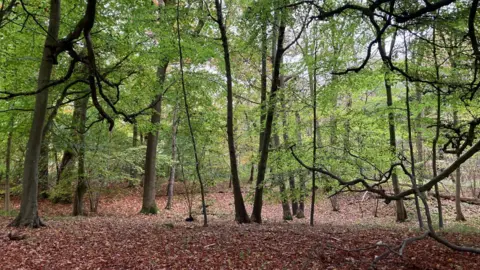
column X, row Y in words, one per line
column 473, row 201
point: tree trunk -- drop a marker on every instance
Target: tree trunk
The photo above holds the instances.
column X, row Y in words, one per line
column 66, row 173
column 43, row 167
column 80, row 139
column 252, row 171
column 187, row 112
column 45, row 183
column 262, row 164
column 291, row 176
column 419, row 134
column 241, row 215
column 28, row 215
column 437, row 134
column 67, row 158
column 171, row 178
column 8, row 160
column 291, row 182
column 458, row 182
column 287, row 213
column 280, row 181
column 413, row 177
column 400, row 207
column 149, row 205
column 301, row 175
column 133, row 170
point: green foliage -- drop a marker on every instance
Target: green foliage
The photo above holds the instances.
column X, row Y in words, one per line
column 62, row 192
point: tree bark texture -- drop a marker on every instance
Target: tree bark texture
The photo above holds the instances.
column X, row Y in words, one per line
column 241, row 215
column 80, row 129
column 28, row 215
column 149, row 205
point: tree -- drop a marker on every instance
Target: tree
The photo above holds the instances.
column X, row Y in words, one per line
column 270, row 111
column 8, row 160
column 80, row 129
column 149, row 205
column 28, row 215
column 171, row 177
column 241, row 215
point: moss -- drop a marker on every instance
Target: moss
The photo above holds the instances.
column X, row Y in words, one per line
column 153, row 210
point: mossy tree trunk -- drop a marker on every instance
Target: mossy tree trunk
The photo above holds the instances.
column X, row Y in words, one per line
column 81, row 173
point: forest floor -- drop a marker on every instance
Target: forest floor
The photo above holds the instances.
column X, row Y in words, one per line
column 120, row 238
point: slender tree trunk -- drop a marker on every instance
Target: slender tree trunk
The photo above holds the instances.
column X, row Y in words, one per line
column 280, row 181
column 8, row 160
column 187, row 112
column 81, row 174
column 149, row 205
column 263, row 88
column 66, row 170
column 291, row 176
column 437, row 134
column 413, row 177
column 28, row 215
column 171, row 178
column 262, row 164
column 419, row 134
column 43, row 167
column 252, row 171
column 133, row 170
column 287, row 213
column 458, row 181
column 241, row 215
column 400, row 207
column 301, row 174
column 315, row 128
column 67, row 159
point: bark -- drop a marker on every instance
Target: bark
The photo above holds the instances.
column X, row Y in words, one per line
column 262, row 164
column 81, row 174
column 400, row 207
column 437, row 135
column 8, row 160
column 413, row 176
column 171, row 178
column 133, row 170
column 67, row 159
column 458, row 182
column 315, row 128
column 287, row 213
column 67, row 165
column 241, row 215
column 252, row 172
column 6, row 10
column 419, row 133
column 187, row 112
column 149, row 205
column 28, row 215
column 44, row 179
column 301, row 174
column 263, row 88
column 280, row 181
column 286, row 140
column 43, row 167
column 291, row 182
